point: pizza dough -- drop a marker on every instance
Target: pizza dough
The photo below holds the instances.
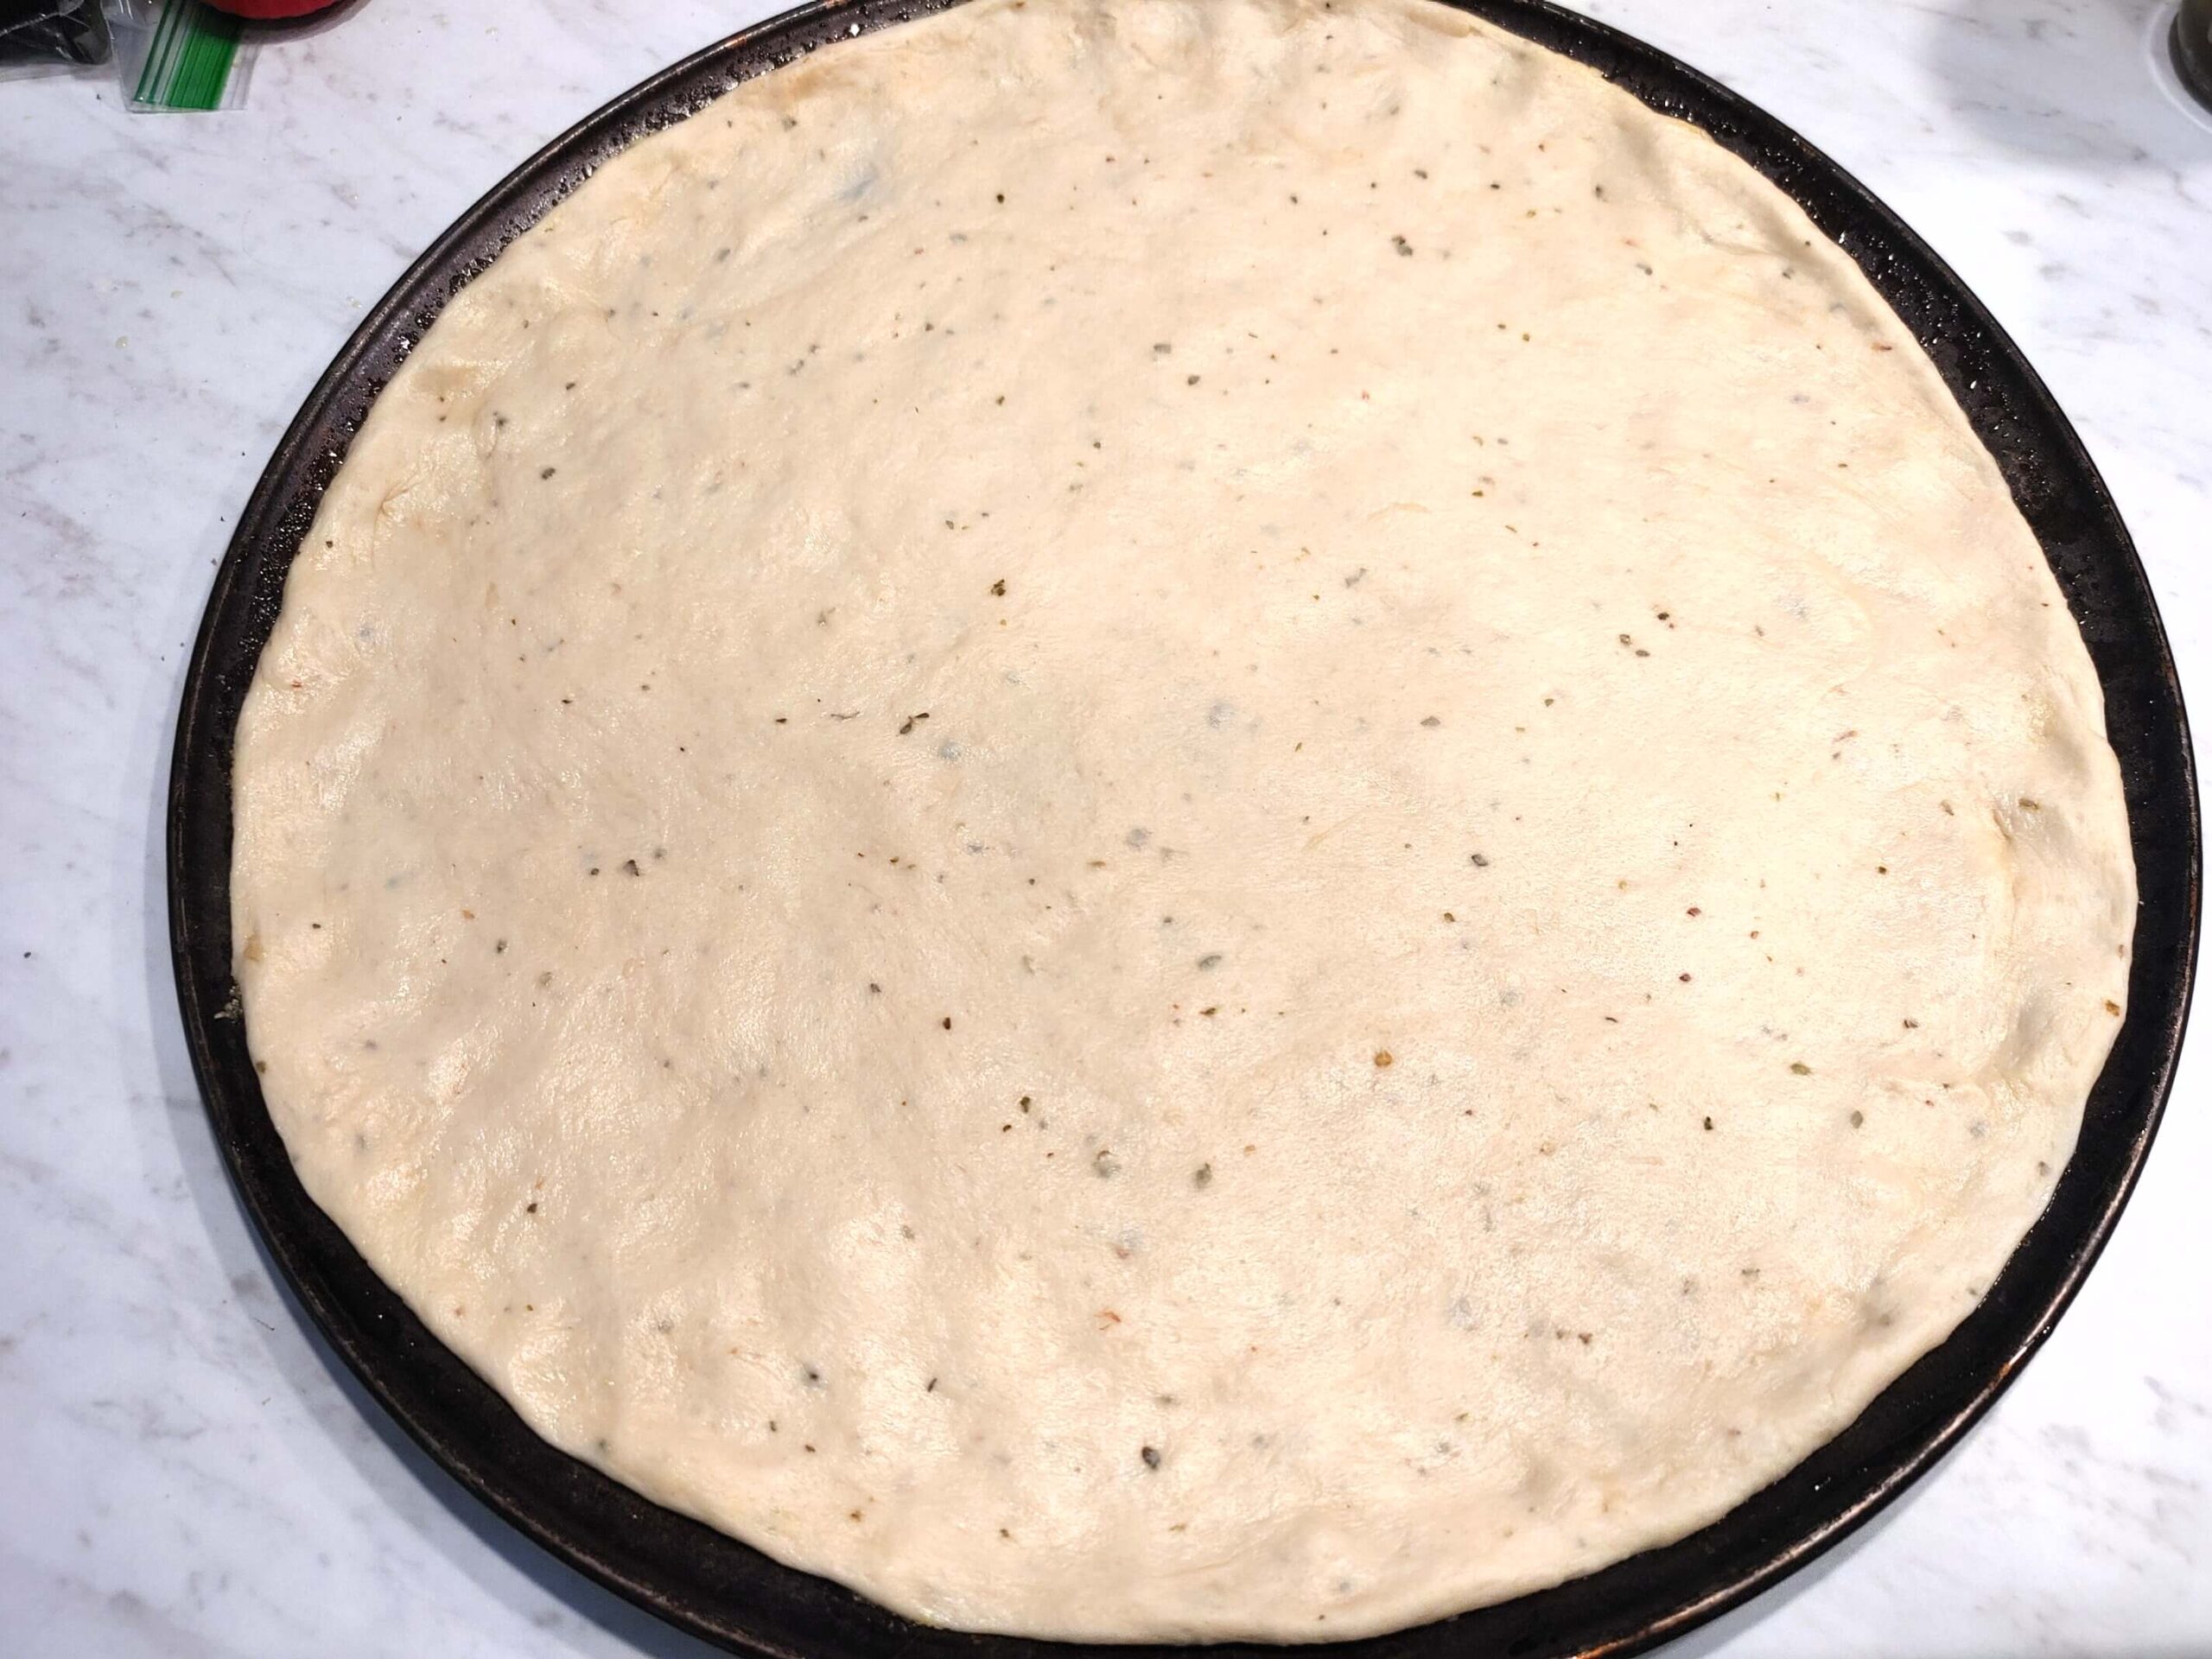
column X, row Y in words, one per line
column 1160, row 819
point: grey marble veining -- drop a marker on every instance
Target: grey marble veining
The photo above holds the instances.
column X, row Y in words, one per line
column 186, row 1473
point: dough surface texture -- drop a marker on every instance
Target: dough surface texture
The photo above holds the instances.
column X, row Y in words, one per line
column 1157, row 818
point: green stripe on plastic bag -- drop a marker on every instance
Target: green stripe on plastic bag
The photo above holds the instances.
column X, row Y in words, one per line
column 188, row 61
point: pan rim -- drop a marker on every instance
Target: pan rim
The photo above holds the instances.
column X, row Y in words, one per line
column 721, row 1590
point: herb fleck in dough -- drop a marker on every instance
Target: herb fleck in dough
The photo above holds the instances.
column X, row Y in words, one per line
column 841, row 842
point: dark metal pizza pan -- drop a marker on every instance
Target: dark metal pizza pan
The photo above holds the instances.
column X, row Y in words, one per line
column 696, row 1578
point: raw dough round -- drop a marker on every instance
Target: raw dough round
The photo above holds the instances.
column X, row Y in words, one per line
column 1168, row 818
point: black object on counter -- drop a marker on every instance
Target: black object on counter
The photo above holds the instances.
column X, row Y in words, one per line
column 53, row 31
column 2190, row 43
column 716, row 1588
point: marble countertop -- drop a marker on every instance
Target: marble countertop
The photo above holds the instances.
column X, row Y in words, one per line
column 188, row 1471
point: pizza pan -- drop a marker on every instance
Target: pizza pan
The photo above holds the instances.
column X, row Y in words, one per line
column 708, row 1584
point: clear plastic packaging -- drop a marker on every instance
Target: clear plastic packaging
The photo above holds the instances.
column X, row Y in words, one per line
column 180, row 54
column 53, row 31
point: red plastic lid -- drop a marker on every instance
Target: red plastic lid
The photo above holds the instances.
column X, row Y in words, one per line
column 270, row 10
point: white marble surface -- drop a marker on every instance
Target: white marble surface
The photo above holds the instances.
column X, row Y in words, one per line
column 183, row 1470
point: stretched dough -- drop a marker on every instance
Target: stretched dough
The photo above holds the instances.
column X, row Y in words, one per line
column 1157, row 819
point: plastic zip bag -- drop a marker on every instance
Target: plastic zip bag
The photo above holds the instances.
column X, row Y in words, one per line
column 180, row 54
column 53, row 31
